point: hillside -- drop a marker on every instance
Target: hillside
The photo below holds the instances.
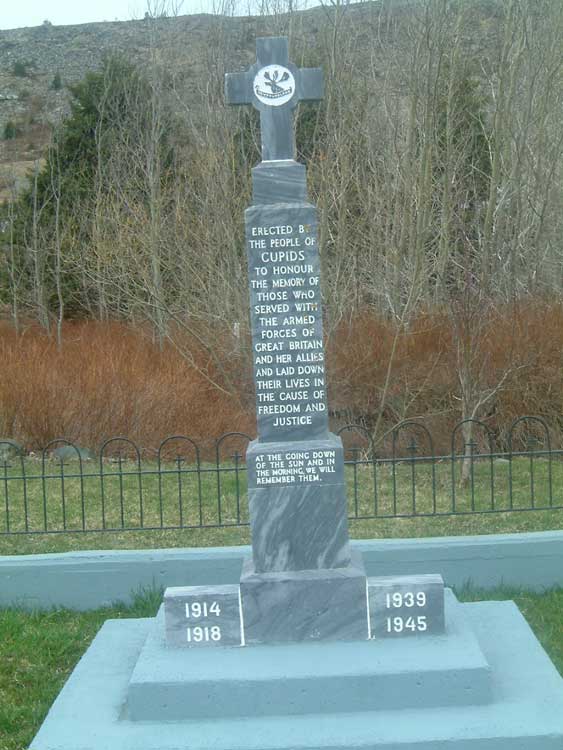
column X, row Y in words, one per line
column 31, row 59
column 72, row 51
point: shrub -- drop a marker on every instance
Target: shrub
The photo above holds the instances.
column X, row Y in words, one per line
column 11, row 130
column 56, row 83
column 109, row 378
column 20, row 69
column 128, row 387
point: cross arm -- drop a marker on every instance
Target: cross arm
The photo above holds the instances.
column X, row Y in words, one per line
column 238, row 88
column 311, row 84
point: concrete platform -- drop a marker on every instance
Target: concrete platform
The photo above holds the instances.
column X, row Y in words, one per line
column 526, row 712
column 290, row 680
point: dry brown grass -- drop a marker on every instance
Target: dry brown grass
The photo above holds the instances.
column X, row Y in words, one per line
column 110, row 379
column 525, row 340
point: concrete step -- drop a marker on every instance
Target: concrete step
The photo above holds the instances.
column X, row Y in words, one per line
column 526, row 711
column 310, row 678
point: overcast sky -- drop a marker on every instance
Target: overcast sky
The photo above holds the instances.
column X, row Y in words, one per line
column 17, row 13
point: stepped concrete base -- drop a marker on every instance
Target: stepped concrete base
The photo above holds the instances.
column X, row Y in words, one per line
column 526, row 712
column 317, row 678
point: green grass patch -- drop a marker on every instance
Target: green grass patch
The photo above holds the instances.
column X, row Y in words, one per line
column 39, row 650
column 405, row 499
column 544, row 613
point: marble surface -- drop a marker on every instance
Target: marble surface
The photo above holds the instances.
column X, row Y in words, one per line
column 286, row 322
column 298, row 512
column 310, row 605
column 202, row 616
column 406, row 606
column 296, row 490
column 276, row 122
column 299, row 528
column 279, row 182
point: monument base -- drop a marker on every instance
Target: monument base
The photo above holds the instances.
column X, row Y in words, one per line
column 305, row 605
column 292, row 680
column 297, row 503
column 514, row 704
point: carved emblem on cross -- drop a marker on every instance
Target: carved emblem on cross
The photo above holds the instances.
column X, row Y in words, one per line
column 274, row 86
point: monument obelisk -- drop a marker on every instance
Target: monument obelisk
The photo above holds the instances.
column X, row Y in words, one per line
column 302, row 582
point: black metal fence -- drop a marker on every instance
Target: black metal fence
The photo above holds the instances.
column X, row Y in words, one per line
column 62, row 489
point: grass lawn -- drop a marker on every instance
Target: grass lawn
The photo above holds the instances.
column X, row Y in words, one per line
column 408, row 499
column 38, row 651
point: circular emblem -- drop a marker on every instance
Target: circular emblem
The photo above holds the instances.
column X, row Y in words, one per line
column 274, row 85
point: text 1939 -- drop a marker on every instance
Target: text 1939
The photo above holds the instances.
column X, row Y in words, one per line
column 408, row 599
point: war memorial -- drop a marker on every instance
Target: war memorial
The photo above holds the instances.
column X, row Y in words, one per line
column 306, row 651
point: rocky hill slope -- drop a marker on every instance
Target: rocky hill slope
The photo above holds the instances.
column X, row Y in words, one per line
column 37, row 64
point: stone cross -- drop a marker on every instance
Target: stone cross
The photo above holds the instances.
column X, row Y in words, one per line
column 296, row 492
column 274, row 86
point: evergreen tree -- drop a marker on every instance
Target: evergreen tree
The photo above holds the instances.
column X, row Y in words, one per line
column 56, row 83
column 10, row 130
column 57, row 206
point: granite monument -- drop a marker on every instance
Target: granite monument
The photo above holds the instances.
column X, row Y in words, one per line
column 302, row 582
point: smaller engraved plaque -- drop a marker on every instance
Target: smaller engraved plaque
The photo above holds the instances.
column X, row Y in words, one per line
column 405, row 606
column 202, row 616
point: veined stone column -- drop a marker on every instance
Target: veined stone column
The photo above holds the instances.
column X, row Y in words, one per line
column 302, row 582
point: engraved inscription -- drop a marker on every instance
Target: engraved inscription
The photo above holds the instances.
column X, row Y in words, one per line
column 399, row 624
column 298, row 467
column 203, row 616
column 288, row 355
column 198, row 634
column 202, row 609
column 407, row 605
column 195, row 610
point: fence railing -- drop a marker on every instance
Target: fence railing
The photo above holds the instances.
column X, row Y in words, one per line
column 65, row 489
